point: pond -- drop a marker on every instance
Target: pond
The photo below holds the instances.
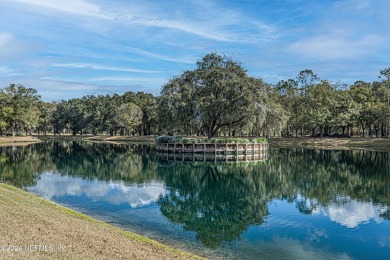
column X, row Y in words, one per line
column 298, row 204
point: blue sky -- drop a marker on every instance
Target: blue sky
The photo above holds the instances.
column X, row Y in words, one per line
column 72, row 48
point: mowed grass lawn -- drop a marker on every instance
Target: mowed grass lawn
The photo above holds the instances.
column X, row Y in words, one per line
column 35, row 228
column 354, row 143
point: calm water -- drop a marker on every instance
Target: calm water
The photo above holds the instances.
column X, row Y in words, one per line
column 299, row 204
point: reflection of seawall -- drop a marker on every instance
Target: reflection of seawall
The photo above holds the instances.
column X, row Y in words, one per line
column 225, row 148
column 207, row 157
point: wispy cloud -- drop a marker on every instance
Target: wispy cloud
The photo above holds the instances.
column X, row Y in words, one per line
column 179, row 59
column 333, row 46
column 60, row 85
column 184, row 26
column 5, row 38
column 212, row 25
column 123, row 80
column 99, row 67
column 8, row 45
column 8, row 72
column 78, row 7
column 225, row 25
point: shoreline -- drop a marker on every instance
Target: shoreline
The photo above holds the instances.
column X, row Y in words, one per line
column 18, row 141
column 327, row 143
column 353, row 143
column 61, row 233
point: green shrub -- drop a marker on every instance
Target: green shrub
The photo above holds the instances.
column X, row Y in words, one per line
column 259, row 140
column 222, row 140
column 215, row 140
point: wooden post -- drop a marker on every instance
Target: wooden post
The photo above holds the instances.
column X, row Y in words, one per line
column 215, row 153
column 267, row 153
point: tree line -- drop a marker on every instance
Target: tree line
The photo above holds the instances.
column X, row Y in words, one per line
column 217, row 98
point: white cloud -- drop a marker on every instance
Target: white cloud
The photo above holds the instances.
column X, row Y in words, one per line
column 56, row 85
column 352, row 213
column 5, row 39
column 99, row 67
column 334, row 46
column 7, row 72
column 225, row 25
column 354, row 5
column 131, row 80
column 210, row 25
column 188, row 60
column 348, row 212
column 8, row 45
column 78, row 7
column 184, row 26
column 53, row 185
column 283, row 248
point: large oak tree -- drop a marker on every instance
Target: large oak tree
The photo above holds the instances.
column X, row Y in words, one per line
column 217, row 95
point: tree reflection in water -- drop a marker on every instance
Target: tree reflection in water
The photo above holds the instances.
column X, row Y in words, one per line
column 217, row 205
column 217, row 201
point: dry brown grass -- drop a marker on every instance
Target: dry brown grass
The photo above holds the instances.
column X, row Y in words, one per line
column 99, row 138
column 373, row 144
column 17, row 140
column 27, row 221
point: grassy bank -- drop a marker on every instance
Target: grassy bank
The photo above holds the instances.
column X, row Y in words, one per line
column 98, row 138
column 35, row 228
column 373, row 144
column 18, row 140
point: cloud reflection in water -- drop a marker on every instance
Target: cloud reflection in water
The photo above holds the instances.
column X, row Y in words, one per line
column 138, row 195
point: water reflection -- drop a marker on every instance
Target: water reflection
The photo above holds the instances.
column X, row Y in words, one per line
column 353, row 213
column 137, row 195
column 347, row 212
column 219, row 203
